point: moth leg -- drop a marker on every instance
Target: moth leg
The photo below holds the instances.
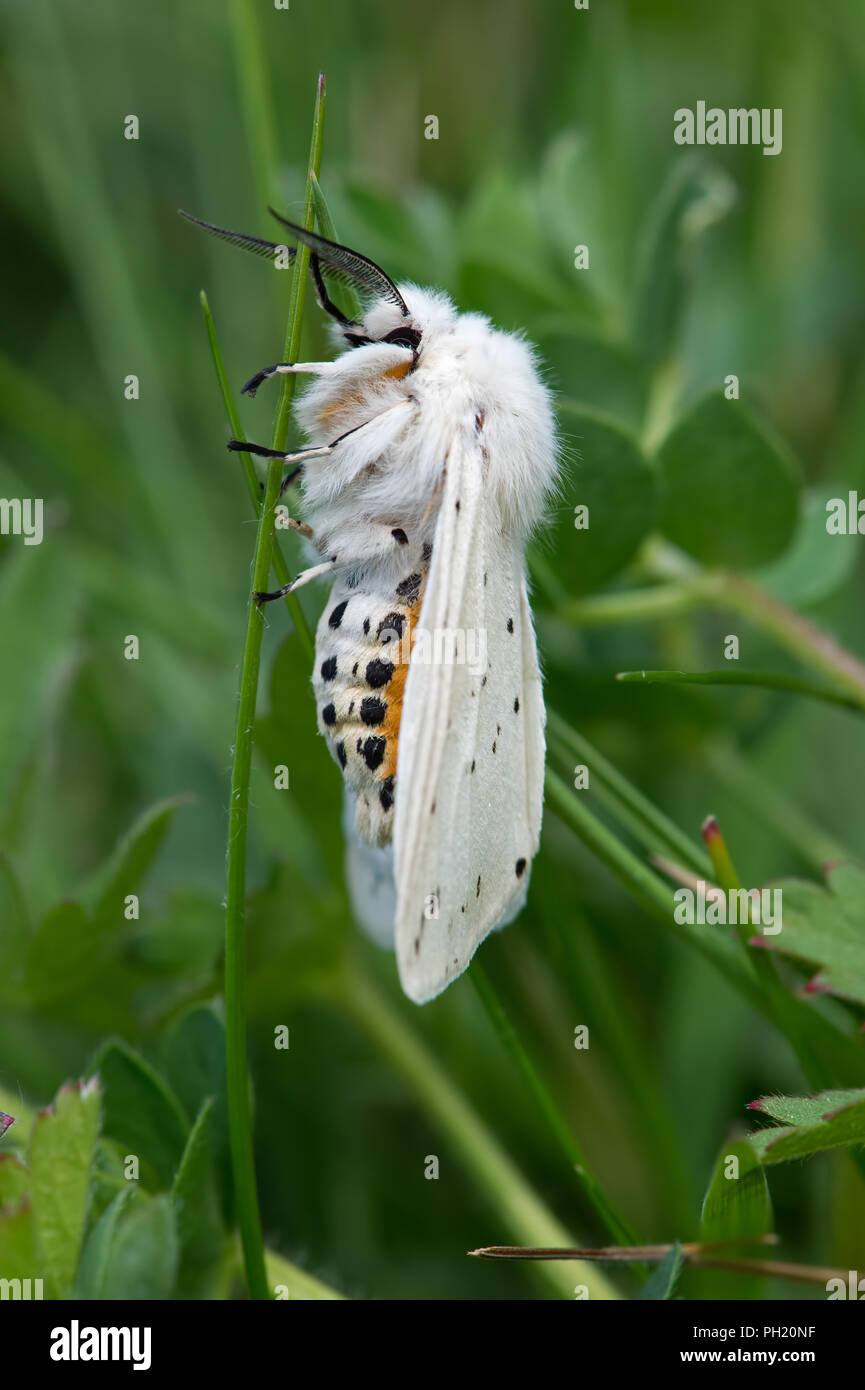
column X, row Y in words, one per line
column 243, row 446
column 283, row 368
column 305, row 577
column 288, row 523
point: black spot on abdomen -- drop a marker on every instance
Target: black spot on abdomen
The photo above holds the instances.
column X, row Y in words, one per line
column 336, row 616
column 373, row 752
column 378, row 673
column 409, row 588
column 372, row 710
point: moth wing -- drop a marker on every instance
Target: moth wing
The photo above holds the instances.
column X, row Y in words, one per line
column 470, row 763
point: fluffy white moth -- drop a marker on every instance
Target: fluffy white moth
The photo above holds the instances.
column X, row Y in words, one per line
column 432, row 456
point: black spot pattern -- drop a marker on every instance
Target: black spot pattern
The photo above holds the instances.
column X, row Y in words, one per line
column 391, row 622
column 520, row 867
column 399, row 536
column 409, row 588
column 385, row 796
column 372, row 710
column 328, row 714
column 510, row 624
column 341, row 754
column 516, row 704
column 336, row 616
column 378, row 673
column 373, row 751
column 328, row 669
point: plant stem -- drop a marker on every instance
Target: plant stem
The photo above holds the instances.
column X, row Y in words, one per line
column 650, row 826
column 726, row 590
column 649, row 890
column 614, row 1223
column 257, row 98
column 632, row 605
column 240, row 1116
column 513, row 1201
column 723, row 761
column 768, row 680
column 281, row 568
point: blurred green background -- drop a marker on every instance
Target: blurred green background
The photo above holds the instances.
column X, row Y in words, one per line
column 555, row 129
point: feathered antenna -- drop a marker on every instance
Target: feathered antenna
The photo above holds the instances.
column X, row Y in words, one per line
column 342, row 264
column 345, row 265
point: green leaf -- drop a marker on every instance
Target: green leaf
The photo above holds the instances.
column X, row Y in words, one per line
column 199, row 1223
column 693, row 197
column 141, row 1113
column 14, row 1180
column 61, row 956
column 286, row 1281
column 142, row 1252
column 129, row 863
column 736, row 1205
column 14, row 930
column 731, row 490
column 18, row 1257
column 816, row 564
column 590, row 370
column 662, row 1281
column 60, row 1159
column 613, row 479
column 825, row 1121
column 96, row 1255
column 827, row 929
column 194, row 1064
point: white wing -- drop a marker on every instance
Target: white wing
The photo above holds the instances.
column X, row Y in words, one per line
column 469, row 781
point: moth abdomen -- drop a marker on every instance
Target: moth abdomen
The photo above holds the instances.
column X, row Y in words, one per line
column 363, row 648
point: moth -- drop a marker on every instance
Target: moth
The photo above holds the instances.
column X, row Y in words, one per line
column 432, row 456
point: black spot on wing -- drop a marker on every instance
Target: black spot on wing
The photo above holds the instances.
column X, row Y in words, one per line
column 516, row 704
column 520, row 867
column 510, row 624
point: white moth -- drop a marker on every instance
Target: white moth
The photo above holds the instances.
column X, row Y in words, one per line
column 432, row 456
